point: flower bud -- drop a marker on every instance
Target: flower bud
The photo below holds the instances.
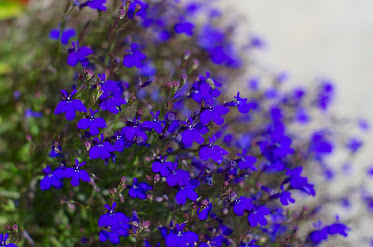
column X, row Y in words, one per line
column 186, row 55
column 15, row 228
column 157, row 177
column 146, row 224
column 87, row 145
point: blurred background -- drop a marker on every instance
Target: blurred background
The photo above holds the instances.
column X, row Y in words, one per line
column 318, row 38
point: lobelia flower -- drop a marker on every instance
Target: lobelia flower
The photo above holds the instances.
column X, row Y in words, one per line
column 111, row 102
column 354, row 144
column 134, row 58
column 51, row 178
column 203, row 91
column 65, row 37
column 322, row 234
column 76, row 174
column 102, row 149
column 78, row 55
column 214, row 113
column 112, row 218
column 3, row 239
column 298, row 182
column 30, row 113
column 212, row 151
column 112, row 236
column 114, row 233
column 338, row 228
column 318, row 235
column 95, row 4
column 120, row 141
column 246, row 161
column 187, row 192
column 69, row 105
column 241, row 104
column 191, row 134
column 204, row 214
column 184, row 27
column 162, row 166
column 179, row 238
column 139, row 190
column 132, row 9
column 147, row 83
column 249, row 244
column 325, row 95
column 107, row 86
column 257, row 216
column 92, row 123
column 134, row 132
column 243, row 204
column 146, row 243
column 177, row 177
column 56, row 150
column 155, row 124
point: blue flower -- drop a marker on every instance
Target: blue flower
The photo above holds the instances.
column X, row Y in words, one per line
column 107, row 86
column 249, row 244
column 298, row 182
column 102, row 149
column 78, row 54
column 76, row 174
column 95, row 4
column 3, row 239
column 92, row 123
column 241, row 104
column 56, row 150
column 134, row 132
column 214, row 113
column 134, row 58
column 69, row 105
column 66, row 34
column 191, row 134
column 139, row 190
column 184, row 27
column 204, row 213
column 325, row 94
column 338, row 228
column 246, row 161
column 155, row 124
column 242, row 204
column 146, row 243
column 257, row 216
column 354, row 144
column 187, row 192
column 212, row 151
column 30, row 113
column 178, row 177
column 111, row 102
column 112, row 218
column 120, row 141
column 51, row 178
column 114, row 233
column 179, row 238
column 162, row 166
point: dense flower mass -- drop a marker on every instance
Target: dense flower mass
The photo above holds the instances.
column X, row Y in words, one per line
column 170, row 149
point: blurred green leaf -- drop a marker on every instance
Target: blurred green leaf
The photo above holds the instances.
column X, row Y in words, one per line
column 9, row 9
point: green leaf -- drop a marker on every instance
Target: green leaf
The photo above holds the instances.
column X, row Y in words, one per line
column 10, row 9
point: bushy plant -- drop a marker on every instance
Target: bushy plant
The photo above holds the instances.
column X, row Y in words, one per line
column 156, row 139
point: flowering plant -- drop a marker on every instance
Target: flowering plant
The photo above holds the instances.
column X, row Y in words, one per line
column 176, row 151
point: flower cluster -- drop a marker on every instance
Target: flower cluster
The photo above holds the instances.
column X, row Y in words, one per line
column 158, row 132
